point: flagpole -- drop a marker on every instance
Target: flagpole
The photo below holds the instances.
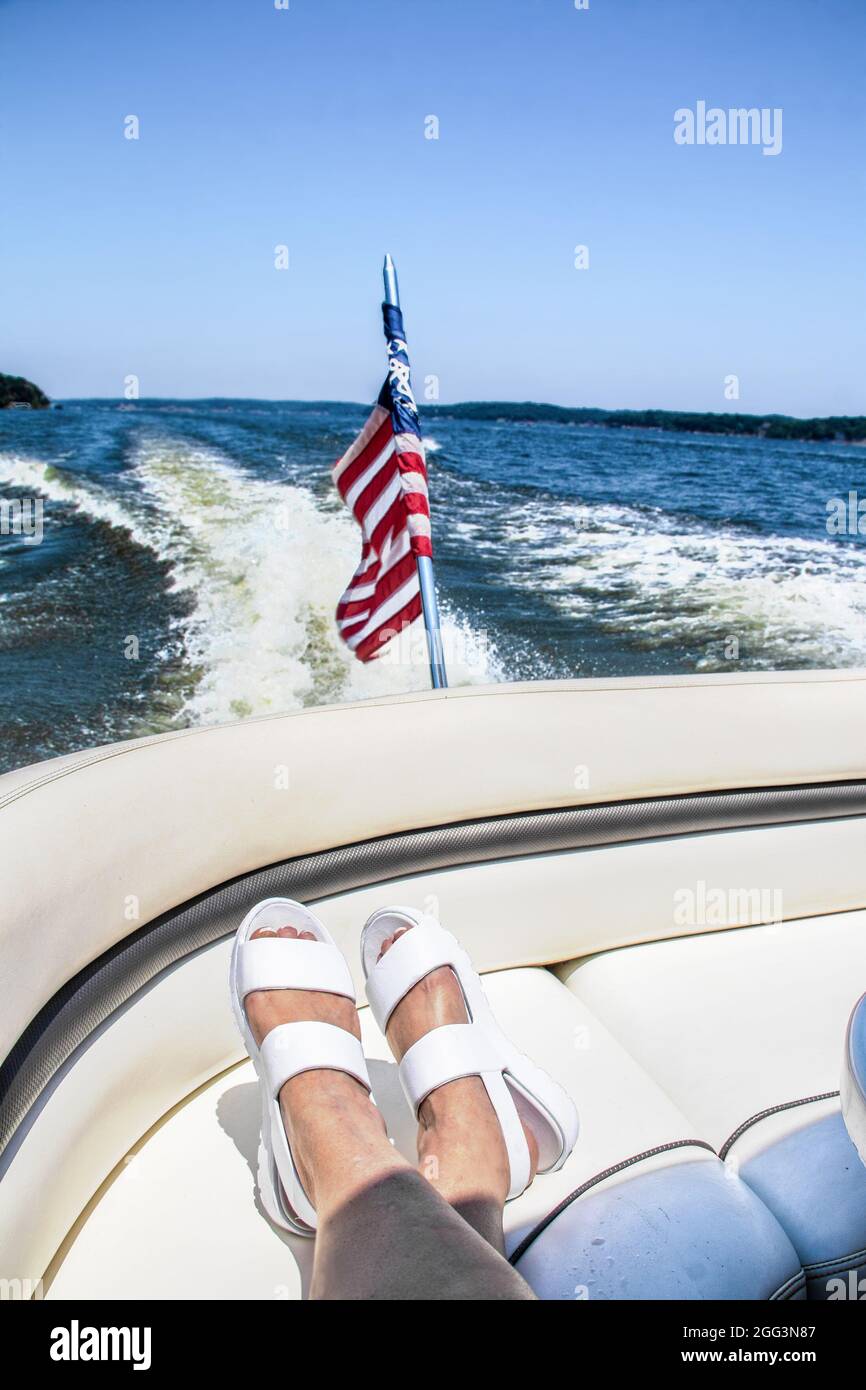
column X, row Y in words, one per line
column 429, row 602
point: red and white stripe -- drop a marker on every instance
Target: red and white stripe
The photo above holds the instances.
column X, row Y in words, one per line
column 382, row 479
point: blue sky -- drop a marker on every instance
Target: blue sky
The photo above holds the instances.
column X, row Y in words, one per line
column 305, row 127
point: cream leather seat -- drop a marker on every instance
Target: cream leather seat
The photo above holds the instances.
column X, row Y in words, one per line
column 670, row 1042
column 764, row 1010
column 146, row 1229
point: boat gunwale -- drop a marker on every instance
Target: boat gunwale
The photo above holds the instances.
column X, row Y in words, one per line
column 67, row 763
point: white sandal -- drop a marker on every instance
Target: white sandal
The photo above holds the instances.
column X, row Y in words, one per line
column 290, row 1048
column 521, row 1093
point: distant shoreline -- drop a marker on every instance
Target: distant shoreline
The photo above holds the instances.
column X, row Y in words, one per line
column 850, row 429
column 847, row 429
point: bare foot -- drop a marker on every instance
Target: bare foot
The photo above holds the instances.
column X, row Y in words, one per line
column 323, row 1111
column 461, row 1150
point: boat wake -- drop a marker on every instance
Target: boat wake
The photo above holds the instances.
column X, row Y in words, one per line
column 250, row 570
column 262, row 564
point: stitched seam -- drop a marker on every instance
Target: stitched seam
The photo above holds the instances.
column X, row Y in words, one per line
column 791, row 1286
column 840, row 1262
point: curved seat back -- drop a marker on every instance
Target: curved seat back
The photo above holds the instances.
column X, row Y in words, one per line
column 544, row 821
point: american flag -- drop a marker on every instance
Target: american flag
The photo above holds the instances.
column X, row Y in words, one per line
column 382, row 478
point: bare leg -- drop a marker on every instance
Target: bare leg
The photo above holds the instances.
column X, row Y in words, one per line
column 384, row 1231
column 461, row 1151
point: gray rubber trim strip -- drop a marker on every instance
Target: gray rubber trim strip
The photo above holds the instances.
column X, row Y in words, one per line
column 765, row 1114
column 87, row 1000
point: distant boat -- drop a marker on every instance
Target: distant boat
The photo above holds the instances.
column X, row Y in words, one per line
column 19, row 405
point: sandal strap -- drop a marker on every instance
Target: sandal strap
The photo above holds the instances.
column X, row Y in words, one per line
column 445, row 1054
column 413, row 955
column 292, row 1048
column 279, row 962
column 465, row 1049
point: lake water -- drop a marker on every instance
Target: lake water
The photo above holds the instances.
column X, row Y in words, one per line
column 193, row 554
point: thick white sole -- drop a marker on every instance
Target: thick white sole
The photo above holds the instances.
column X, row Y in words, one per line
column 269, row 1182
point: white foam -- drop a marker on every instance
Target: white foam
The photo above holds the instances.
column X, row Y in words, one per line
column 654, row 578
column 267, row 564
column 264, row 564
column 32, row 476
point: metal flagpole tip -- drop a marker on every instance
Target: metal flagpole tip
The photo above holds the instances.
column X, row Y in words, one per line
column 389, row 275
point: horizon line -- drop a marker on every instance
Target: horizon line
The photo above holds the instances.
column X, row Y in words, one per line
column 452, row 405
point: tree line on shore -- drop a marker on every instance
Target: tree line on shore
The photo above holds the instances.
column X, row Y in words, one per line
column 16, row 390
column 851, row 428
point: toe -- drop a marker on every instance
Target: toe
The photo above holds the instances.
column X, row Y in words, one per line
column 308, row 936
column 262, row 931
column 389, row 940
